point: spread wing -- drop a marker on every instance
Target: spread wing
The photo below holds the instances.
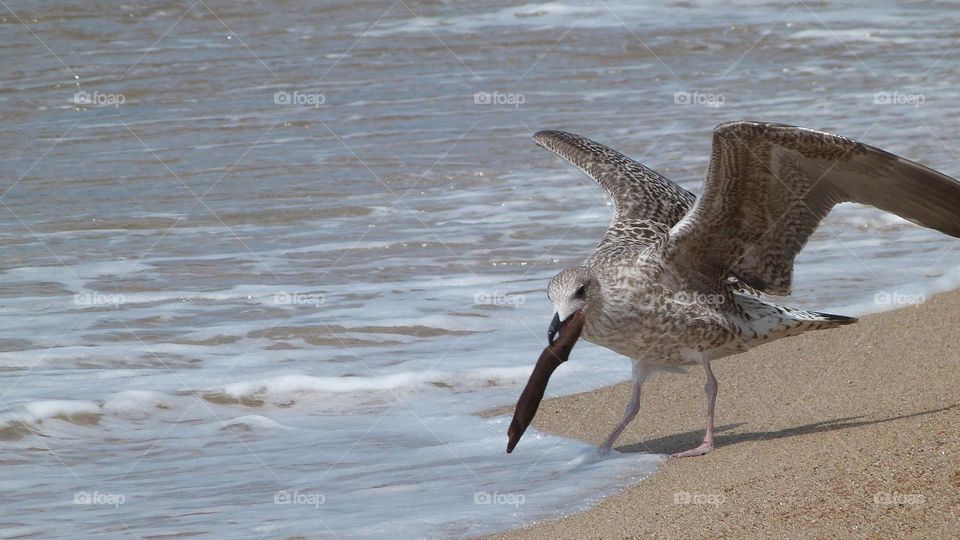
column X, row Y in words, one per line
column 638, row 193
column 770, row 185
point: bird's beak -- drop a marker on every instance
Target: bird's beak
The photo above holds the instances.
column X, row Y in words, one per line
column 552, row 356
column 554, row 328
column 557, row 326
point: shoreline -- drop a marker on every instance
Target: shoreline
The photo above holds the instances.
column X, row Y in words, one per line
column 853, row 431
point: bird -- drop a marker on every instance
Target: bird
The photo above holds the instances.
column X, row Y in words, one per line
column 679, row 280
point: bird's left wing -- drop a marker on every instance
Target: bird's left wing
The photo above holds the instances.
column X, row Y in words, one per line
column 638, row 193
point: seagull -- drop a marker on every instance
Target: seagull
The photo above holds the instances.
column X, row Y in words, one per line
column 679, row 280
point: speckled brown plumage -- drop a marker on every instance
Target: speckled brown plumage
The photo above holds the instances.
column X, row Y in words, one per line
column 675, row 279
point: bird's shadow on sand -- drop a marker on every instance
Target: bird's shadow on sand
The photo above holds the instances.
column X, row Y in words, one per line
column 690, row 439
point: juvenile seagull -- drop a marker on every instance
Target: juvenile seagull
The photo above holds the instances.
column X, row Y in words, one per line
column 676, row 279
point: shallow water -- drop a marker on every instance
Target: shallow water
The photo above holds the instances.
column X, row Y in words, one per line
column 259, row 274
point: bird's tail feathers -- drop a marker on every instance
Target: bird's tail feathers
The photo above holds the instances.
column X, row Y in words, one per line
column 765, row 322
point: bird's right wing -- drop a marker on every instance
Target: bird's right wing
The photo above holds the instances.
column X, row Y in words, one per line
column 770, row 185
column 638, row 193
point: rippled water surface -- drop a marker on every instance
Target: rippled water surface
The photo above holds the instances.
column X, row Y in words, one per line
column 262, row 261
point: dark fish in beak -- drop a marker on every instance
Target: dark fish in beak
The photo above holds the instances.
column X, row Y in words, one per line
column 556, row 353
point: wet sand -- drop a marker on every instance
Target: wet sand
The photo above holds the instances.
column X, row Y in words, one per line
column 852, row 432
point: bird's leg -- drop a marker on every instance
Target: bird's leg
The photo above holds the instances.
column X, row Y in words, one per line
column 639, row 375
column 711, row 389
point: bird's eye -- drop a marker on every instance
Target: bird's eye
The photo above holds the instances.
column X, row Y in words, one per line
column 581, row 292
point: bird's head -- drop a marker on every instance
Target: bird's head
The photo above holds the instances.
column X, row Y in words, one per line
column 571, row 291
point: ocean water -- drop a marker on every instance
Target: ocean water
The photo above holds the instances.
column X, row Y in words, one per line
column 264, row 261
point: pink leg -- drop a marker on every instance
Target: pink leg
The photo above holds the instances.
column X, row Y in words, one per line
column 639, row 375
column 711, row 389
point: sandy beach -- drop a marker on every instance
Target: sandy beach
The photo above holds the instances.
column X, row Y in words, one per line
column 852, row 432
